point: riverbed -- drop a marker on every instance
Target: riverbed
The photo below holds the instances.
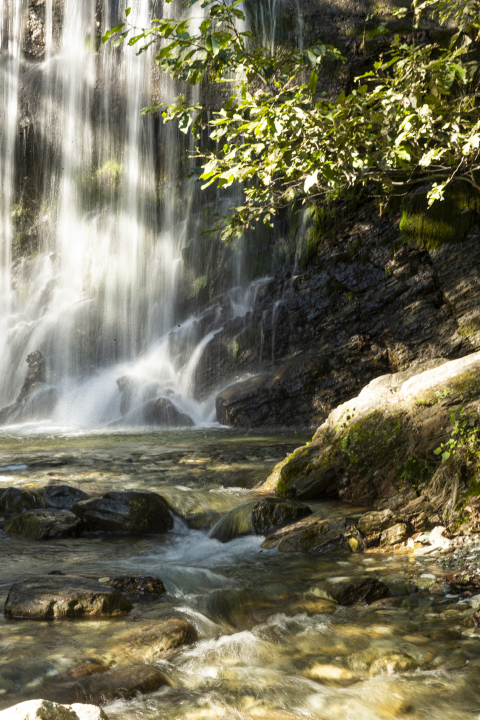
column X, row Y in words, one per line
column 270, row 645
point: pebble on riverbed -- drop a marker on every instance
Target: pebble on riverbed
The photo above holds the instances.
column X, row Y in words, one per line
column 46, row 710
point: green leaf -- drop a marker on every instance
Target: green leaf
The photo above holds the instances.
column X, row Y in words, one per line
column 128, row 11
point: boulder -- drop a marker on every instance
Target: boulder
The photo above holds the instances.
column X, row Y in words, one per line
column 314, row 534
column 44, row 525
column 63, row 497
column 260, row 517
column 136, row 585
column 147, row 641
column 381, row 443
column 135, row 512
column 122, row 683
column 46, row 710
column 47, row 597
column 394, row 535
column 36, row 375
column 36, row 398
column 375, row 522
column 140, row 405
column 363, row 591
column 15, row 500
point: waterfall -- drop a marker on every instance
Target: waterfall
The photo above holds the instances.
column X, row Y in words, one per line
column 95, row 213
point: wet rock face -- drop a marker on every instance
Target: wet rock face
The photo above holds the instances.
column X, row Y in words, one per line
column 120, row 684
column 49, row 597
column 135, row 512
column 258, row 518
column 16, row 500
column 140, row 405
column 36, row 399
column 44, row 525
column 61, row 496
column 394, row 535
column 46, row 710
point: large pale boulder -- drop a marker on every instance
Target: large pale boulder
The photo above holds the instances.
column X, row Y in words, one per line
column 46, row 710
column 381, row 444
column 47, row 597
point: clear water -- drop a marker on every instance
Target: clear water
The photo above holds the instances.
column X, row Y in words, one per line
column 269, row 646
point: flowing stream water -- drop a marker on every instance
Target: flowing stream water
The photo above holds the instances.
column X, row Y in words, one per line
column 269, row 644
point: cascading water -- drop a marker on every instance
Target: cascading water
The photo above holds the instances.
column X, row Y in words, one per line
column 98, row 294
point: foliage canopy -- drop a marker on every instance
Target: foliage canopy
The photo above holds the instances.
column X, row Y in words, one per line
column 414, row 118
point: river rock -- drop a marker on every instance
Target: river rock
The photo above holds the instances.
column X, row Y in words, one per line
column 160, row 411
column 46, row 710
column 314, row 534
column 47, row 597
column 364, row 591
column 261, row 517
column 375, row 522
column 44, row 525
column 15, row 500
column 133, row 511
column 63, row 497
column 394, row 535
column 362, row 453
column 121, row 683
column 136, row 585
column 145, row 642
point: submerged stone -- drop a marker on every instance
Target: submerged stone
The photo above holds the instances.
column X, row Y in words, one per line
column 366, row 591
column 260, row 517
column 122, row 683
column 144, row 642
column 44, row 525
column 133, row 511
column 46, row 710
column 47, row 597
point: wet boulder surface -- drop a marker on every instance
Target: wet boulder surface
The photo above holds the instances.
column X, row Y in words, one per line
column 15, row 500
column 315, row 534
column 364, row 591
column 48, row 597
column 44, row 525
column 63, row 497
column 260, row 517
column 135, row 512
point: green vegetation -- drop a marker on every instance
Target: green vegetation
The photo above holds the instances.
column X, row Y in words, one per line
column 412, row 120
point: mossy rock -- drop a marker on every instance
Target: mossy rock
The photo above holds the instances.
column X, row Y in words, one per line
column 444, row 222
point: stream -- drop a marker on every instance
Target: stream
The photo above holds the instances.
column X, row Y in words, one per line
column 270, row 645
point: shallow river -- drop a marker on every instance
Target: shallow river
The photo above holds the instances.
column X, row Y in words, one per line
column 269, row 645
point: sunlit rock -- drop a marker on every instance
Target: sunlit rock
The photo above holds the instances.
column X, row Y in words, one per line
column 394, row 535
column 148, row 641
column 139, row 585
column 132, row 511
column 44, row 525
column 46, row 710
column 47, row 597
